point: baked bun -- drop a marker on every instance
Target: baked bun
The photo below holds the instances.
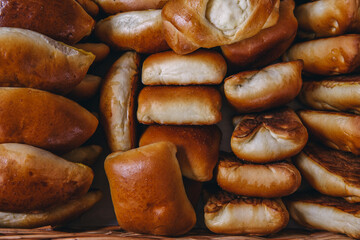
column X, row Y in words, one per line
column 266, row 46
column 317, row 211
column 327, row 18
column 34, row 179
column 90, row 7
column 86, row 89
column 86, row 155
column 226, row 213
column 258, row 90
column 53, row 216
column 189, row 25
column 331, row 172
column 43, row 119
column 138, row 30
column 328, row 56
column 335, row 129
column 338, row 93
column 117, row 102
column 116, row 6
column 198, row 147
column 190, row 105
column 147, row 190
column 167, row 68
column 65, row 21
column 30, row 59
column 254, row 180
column 269, row 136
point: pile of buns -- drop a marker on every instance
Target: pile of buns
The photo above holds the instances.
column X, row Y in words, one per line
column 171, row 67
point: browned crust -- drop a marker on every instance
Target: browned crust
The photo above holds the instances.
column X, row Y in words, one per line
column 344, row 164
column 325, row 201
column 187, row 29
column 266, row 46
column 198, row 147
column 43, row 119
column 283, row 122
column 116, row 6
column 64, row 20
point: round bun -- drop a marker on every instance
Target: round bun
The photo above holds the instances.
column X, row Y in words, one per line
column 254, row 180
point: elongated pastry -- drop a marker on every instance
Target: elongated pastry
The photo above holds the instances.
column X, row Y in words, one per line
column 137, row 30
column 327, row 56
column 331, row 172
column 335, row 129
column 65, row 21
column 117, row 102
column 254, row 180
column 325, row 18
column 86, row 89
column 30, row 59
column 259, row 90
column 190, row 105
column 340, row 93
column 266, row 46
column 269, row 136
column 322, row 212
column 147, row 190
column 34, row 179
column 168, row 68
column 226, row 213
column 189, row 25
column 198, row 147
column 43, row 119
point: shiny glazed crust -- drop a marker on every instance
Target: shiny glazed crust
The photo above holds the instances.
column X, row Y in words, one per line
column 147, row 190
column 65, row 20
column 47, row 121
column 255, row 180
column 116, row 6
column 187, row 27
column 198, row 147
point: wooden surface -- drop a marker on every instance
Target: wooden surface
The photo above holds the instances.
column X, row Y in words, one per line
column 115, row 232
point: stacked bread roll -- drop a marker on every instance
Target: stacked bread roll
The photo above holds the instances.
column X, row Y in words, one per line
column 37, row 66
column 330, row 162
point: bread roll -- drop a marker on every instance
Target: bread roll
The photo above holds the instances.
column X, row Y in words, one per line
column 53, row 216
column 117, row 102
column 322, row 212
column 34, row 179
column 89, row 6
column 43, row 119
column 328, row 56
column 266, row 46
column 65, row 20
column 198, row 147
column 116, row 6
column 338, row 93
column 194, row 105
column 269, row 181
column 269, row 136
column 30, row 59
column 330, row 172
column 138, row 30
column 169, row 68
column 189, row 25
column 86, row 89
column 147, row 190
column 337, row 130
column 327, row 18
column 230, row 214
column 100, row 50
column 259, row 90
column 86, row 155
